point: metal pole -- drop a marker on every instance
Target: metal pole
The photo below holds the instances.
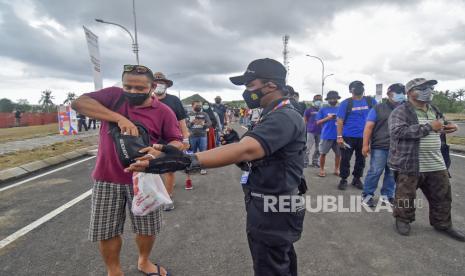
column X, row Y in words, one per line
column 136, row 44
column 130, row 35
column 322, row 74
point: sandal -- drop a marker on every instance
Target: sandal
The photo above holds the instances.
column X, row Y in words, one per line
column 321, row 174
column 155, row 273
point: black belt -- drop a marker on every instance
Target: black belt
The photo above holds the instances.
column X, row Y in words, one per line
column 260, row 195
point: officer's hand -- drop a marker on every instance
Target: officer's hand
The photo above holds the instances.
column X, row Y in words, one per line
column 437, row 125
column 127, row 127
column 340, row 141
column 365, row 150
column 449, row 128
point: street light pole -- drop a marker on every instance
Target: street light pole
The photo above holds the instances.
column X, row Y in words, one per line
column 324, row 79
column 136, row 44
column 322, row 73
column 135, row 47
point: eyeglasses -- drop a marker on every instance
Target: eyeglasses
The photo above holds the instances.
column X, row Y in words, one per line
column 138, row 68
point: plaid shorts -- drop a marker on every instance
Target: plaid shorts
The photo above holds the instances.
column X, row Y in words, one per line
column 108, row 213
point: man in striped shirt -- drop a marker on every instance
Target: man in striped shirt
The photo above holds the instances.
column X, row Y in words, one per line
column 416, row 159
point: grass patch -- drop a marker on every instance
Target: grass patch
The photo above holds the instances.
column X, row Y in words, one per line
column 21, row 133
column 19, row 158
column 455, row 116
column 457, row 140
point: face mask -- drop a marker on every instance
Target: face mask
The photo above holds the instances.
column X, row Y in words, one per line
column 398, row 98
column 206, row 107
column 136, row 98
column 358, row 90
column 197, row 109
column 332, row 103
column 425, row 95
column 252, row 98
column 160, row 89
column 218, row 101
column 318, row 103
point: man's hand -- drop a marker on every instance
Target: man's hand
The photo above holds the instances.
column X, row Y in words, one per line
column 450, row 128
column 365, row 150
column 127, row 127
column 436, row 125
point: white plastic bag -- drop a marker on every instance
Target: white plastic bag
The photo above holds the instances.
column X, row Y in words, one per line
column 149, row 193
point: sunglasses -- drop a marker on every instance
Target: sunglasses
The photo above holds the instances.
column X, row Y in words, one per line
column 138, row 68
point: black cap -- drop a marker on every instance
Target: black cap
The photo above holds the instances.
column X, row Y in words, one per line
column 355, row 84
column 332, row 95
column 289, row 90
column 265, row 68
column 397, row 88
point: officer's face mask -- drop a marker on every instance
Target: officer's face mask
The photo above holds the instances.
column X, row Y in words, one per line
column 358, row 90
column 424, row 94
column 253, row 97
column 398, row 98
column 160, row 89
column 332, row 102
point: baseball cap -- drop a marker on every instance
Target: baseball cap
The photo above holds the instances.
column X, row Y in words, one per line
column 417, row 82
column 356, row 83
column 265, row 68
column 332, row 95
column 397, row 88
column 159, row 76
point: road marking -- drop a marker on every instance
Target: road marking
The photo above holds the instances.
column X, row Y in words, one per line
column 458, row 155
column 44, row 174
column 244, row 128
column 23, row 231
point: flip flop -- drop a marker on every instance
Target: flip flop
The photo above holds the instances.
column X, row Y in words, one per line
column 155, row 273
column 321, row 174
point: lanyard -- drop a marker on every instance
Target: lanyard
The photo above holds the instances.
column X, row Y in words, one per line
column 278, row 106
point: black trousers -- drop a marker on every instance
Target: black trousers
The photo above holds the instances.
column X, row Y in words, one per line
column 82, row 123
column 91, row 121
column 279, row 260
column 356, row 145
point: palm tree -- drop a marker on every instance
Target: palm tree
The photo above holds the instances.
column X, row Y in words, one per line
column 460, row 94
column 46, row 100
column 70, row 97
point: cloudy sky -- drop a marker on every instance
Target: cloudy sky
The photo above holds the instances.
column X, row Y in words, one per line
column 199, row 44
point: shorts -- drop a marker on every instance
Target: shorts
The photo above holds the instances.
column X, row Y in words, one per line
column 326, row 145
column 108, row 213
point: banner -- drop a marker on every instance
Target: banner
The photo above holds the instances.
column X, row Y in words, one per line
column 67, row 121
column 92, row 45
column 379, row 92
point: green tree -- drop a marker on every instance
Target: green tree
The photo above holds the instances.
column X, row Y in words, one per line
column 46, row 101
column 6, row 105
column 24, row 105
column 70, row 97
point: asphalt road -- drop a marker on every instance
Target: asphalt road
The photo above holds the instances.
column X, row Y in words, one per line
column 205, row 234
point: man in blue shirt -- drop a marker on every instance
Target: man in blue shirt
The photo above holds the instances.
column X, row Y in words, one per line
column 351, row 118
column 376, row 141
column 326, row 118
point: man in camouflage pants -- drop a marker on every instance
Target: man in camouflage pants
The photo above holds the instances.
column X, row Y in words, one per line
column 417, row 161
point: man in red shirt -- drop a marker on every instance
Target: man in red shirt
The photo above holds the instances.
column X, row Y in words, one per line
column 112, row 191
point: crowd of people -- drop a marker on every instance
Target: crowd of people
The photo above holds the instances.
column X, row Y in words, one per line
column 404, row 136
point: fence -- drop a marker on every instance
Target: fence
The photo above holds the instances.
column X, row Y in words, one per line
column 28, row 119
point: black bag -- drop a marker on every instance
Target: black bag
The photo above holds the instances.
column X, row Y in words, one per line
column 445, row 149
column 128, row 146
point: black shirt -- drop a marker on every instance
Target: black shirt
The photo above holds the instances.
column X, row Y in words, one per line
column 176, row 105
column 282, row 134
column 220, row 109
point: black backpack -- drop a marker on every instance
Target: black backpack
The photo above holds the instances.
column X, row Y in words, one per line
column 128, row 146
column 350, row 105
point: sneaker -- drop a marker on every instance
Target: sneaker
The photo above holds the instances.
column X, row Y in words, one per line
column 342, row 184
column 387, row 201
column 188, row 184
column 203, row 172
column 368, row 201
column 168, row 207
column 357, row 183
column 402, row 227
column 315, row 165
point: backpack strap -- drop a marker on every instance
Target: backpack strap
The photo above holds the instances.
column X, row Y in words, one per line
column 350, row 105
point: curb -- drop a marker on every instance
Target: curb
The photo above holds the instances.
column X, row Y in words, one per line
column 457, row 148
column 23, row 170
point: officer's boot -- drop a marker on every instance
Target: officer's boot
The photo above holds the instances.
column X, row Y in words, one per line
column 342, row 184
column 403, row 227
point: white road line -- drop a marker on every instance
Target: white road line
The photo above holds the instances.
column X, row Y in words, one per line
column 44, row 174
column 244, row 128
column 23, row 231
column 458, row 155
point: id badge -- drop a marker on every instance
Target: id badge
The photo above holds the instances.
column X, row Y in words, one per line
column 244, row 177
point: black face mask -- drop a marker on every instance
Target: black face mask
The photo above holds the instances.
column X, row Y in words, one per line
column 252, row 98
column 358, row 90
column 197, row 109
column 136, row 98
column 218, row 101
column 332, row 103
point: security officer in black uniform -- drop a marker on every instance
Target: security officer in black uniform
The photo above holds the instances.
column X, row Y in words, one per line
column 272, row 152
